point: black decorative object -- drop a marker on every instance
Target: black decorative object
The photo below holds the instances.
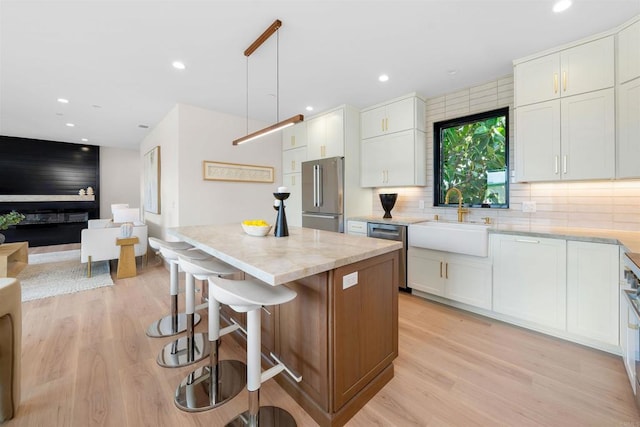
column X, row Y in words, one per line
column 388, row 201
column 281, row 229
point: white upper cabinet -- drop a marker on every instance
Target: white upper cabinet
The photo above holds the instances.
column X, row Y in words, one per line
column 294, row 136
column 393, row 117
column 628, row 129
column 292, row 160
column 393, row 143
column 584, row 68
column 325, row 135
column 629, row 53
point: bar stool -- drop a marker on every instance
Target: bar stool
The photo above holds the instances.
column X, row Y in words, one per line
column 214, row 384
column 192, row 347
column 175, row 322
column 248, row 296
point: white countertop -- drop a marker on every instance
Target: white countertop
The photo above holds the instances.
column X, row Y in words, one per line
column 277, row 260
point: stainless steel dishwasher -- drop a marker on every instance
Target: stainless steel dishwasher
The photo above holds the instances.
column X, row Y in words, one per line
column 393, row 232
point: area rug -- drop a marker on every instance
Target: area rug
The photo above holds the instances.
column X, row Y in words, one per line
column 58, row 273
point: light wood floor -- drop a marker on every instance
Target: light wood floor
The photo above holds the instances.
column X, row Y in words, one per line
column 87, row 362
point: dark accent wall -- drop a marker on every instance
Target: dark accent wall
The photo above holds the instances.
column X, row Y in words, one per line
column 38, row 167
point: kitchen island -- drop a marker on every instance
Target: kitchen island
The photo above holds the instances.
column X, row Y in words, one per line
column 341, row 331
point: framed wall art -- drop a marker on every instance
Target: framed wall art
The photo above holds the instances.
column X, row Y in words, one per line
column 152, row 180
column 220, row 171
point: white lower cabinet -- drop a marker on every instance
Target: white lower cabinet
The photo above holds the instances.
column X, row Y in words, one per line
column 462, row 278
column 629, row 339
column 529, row 278
column 358, row 228
column 593, row 291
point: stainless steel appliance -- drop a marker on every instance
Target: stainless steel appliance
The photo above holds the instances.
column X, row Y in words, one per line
column 323, row 194
column 393, row 232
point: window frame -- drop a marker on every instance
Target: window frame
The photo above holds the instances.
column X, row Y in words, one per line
column 437, row 152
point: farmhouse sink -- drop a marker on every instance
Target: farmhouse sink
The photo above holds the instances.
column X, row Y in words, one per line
column 457, row 237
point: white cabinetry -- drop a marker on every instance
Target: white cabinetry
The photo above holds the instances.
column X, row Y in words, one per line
column 294, row 141
column 529, row 279
column 394, row 143
column 629, row 53
column 396, row 116
column 629, row 325
column 294, row 136
column 462, row 278
column 325, row 135
column 592, row 290
column 358, row 228
column 580, row 69
column 629, row 129
column 565, row 116
column 389, row 161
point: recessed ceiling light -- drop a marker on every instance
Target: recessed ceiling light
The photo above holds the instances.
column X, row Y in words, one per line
column 84, row 140
column 141, row 126
column 452, row 72
column 96, row 106
column 309, row 108
column 561, row 6
column 63, row 101
column 70, row 125
column 178, row 65
column 383, row 78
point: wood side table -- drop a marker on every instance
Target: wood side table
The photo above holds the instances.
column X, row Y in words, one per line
column 127, row 260
column 13, row 258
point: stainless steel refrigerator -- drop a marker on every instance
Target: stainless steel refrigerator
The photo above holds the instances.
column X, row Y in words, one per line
column 323, row 194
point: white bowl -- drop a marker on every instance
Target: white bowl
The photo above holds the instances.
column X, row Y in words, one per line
column 256, row 230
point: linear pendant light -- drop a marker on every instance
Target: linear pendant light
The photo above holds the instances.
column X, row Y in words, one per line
column 282, row 124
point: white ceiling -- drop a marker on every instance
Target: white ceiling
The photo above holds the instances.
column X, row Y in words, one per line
column 117, row 55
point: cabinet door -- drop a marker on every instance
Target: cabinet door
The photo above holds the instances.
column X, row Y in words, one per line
column 529, row 279
column 390, row 160
column 587, row 67
column 592, row 290
column 425, row 271
column 373, row 157
column 292, row 160
column 334, row 134
column 372, row 122
column 537, row 80
column 468, row 281
column 293, row 204
column 401, row 115
column 629, row 53
column 538, row 142
column 629, row 129
column 316, row 137
column 357, row 227
column 294, row 136
column 588, row 135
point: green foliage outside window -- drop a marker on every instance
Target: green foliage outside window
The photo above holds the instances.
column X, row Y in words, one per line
column 473, row 158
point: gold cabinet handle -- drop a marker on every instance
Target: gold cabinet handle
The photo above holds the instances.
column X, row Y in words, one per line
column 564, row 81
column 555, row 168
column 446, row 270
column 632, row 326
column 564, row 164
column 381, row 125
column 323, row 150
column 440, row 269
column 386, row 124
column 293, row 180
column 555, row 82
column 293, row 165
column 293, row 140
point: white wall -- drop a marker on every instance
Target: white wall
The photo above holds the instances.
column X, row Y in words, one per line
column 189, row 135
column 119, row 178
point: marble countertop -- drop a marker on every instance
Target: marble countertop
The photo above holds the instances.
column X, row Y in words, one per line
column 395, row 220
column 277, row 260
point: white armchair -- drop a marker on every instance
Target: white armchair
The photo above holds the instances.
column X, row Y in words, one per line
column 98, row 242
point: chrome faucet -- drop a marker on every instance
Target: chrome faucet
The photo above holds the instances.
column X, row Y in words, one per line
column 461, row 210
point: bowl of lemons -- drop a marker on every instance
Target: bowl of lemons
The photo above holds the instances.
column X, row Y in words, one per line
column 256, row 227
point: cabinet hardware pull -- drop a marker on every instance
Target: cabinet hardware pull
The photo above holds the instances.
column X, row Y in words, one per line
column 564, row 81
column 322, row 151
column 381, row 125
column 564, row 164
column 555, row 82
column 293, row 180
column 440, row 269
column 386, row 124
column 446, row 270
column 632, row 326
column 293, row 165
column 555, row 165
column 527, row 241
column 383, row 177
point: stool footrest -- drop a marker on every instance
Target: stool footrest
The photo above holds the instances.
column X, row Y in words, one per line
column 277, row 369
column 228, row 329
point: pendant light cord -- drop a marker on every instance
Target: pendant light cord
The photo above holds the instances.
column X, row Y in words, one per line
column 278, row 75
column 247, row 95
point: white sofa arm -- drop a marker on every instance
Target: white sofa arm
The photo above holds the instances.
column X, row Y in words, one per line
column 100, row 243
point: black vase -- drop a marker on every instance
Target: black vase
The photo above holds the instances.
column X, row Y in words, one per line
column 388, row 201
